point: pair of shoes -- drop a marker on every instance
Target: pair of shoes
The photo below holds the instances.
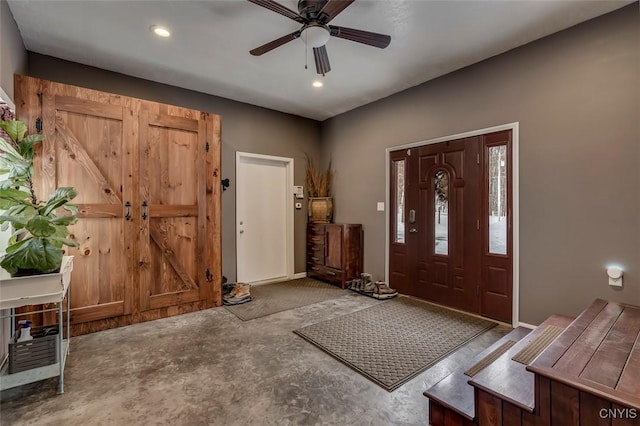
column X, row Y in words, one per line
column 383, row 291
column 227, row 288
column 240, row 293
column 236, row 300
column 355, row 284
column 367, row 285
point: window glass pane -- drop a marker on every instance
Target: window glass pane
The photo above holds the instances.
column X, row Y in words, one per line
column 497, row 199
column 398, row 176
column 441, row 220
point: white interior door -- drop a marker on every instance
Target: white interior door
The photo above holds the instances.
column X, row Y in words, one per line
column 264, row 217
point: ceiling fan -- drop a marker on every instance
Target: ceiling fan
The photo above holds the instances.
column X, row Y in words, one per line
column 315, row 15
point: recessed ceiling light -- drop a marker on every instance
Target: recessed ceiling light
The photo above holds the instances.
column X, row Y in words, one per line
column 317, row 83
column 160, row 31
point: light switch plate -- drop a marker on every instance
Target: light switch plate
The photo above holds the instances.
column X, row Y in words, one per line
column 380, row 206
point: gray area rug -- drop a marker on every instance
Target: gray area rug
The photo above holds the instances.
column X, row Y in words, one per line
column 394, row 341
column 271, row 298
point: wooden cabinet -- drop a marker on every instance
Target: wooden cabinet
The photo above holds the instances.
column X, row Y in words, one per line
column 334, row 252
column 148, row 181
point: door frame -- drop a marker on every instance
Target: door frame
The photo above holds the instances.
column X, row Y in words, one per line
column 515, row 188
column 289, row 206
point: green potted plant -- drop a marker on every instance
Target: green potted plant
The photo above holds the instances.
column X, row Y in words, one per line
column 39, row 226
column 318, row 184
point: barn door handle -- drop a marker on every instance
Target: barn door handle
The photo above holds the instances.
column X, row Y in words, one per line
column 127, row 211
column 144, row 210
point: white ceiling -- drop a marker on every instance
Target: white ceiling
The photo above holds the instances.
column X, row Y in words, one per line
column 209, row 48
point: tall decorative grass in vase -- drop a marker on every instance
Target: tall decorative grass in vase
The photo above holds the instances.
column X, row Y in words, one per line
column 318, row 183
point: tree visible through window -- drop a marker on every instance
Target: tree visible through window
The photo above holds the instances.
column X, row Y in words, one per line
column 441, row 219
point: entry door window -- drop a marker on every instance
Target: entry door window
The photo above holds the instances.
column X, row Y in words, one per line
column 399, row 186
column 497, row 199
column 441, row 211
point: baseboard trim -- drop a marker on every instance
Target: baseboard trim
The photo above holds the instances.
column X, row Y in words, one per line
column 525, row 325
column 276, row 280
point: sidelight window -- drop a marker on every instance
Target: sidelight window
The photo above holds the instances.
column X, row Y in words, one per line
column 497, row 199
column 441, row 210
column 399, row 185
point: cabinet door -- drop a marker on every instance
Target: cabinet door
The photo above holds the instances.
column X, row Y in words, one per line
column 176, row 211
column 333, row 246
column 85, row 147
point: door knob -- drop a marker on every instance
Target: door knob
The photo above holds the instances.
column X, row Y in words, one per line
column 413, row 230
column 242, row 231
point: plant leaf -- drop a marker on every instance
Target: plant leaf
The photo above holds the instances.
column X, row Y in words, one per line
column 40, row 226
column 32, row 140
column 71, row 208
column 9, row 151
column 13, row 194
column 14, row 128
column 16, row 245
column 36, row 253
column 64, row 220
column 59, row 197
column 15, row 220
column 66, row 241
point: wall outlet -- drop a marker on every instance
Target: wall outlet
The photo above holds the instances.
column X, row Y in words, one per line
column 380, row 206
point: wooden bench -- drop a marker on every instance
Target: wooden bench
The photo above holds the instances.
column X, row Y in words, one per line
column 591, row 374
column 503, row 389
column 588, row 375
column 453, row 397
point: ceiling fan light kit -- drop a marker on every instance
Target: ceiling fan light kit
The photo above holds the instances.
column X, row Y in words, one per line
column 315, row 35
column 315, row 15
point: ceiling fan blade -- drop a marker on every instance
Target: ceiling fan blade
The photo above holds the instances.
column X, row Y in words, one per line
column 360, row 36
column 332, row 9
column 322, row 60
column 275, row 43
column 278, row 8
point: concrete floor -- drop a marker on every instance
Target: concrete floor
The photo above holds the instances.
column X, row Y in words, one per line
column 211, row 368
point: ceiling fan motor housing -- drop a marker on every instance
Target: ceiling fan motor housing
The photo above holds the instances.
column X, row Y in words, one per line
column 309, row 9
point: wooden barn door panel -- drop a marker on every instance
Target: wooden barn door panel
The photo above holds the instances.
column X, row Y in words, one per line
column 173, row 170
column 113, row 150
column 85, row 148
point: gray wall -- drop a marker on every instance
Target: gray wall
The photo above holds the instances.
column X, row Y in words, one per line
column 13, row 56
column 576, row 96
column 245, row 128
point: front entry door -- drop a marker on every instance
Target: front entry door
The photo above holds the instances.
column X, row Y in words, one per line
column 441, row 247
column 447, row 241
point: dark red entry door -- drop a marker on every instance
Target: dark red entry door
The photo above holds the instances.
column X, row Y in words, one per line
column 450, row 222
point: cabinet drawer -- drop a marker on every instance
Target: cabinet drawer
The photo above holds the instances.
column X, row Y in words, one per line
column 315, row 229
column 315, row 239
column 315, row 258
column 315, row 269
column 333, row 273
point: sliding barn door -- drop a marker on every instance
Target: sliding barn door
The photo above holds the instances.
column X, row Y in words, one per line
column 175, row 164
column 85, row 148
column 148, row 182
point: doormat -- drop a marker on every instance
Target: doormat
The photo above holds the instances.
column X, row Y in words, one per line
column 394, row 341
column 281, row 296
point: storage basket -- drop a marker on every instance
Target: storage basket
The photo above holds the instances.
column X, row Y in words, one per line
column 39, row 352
